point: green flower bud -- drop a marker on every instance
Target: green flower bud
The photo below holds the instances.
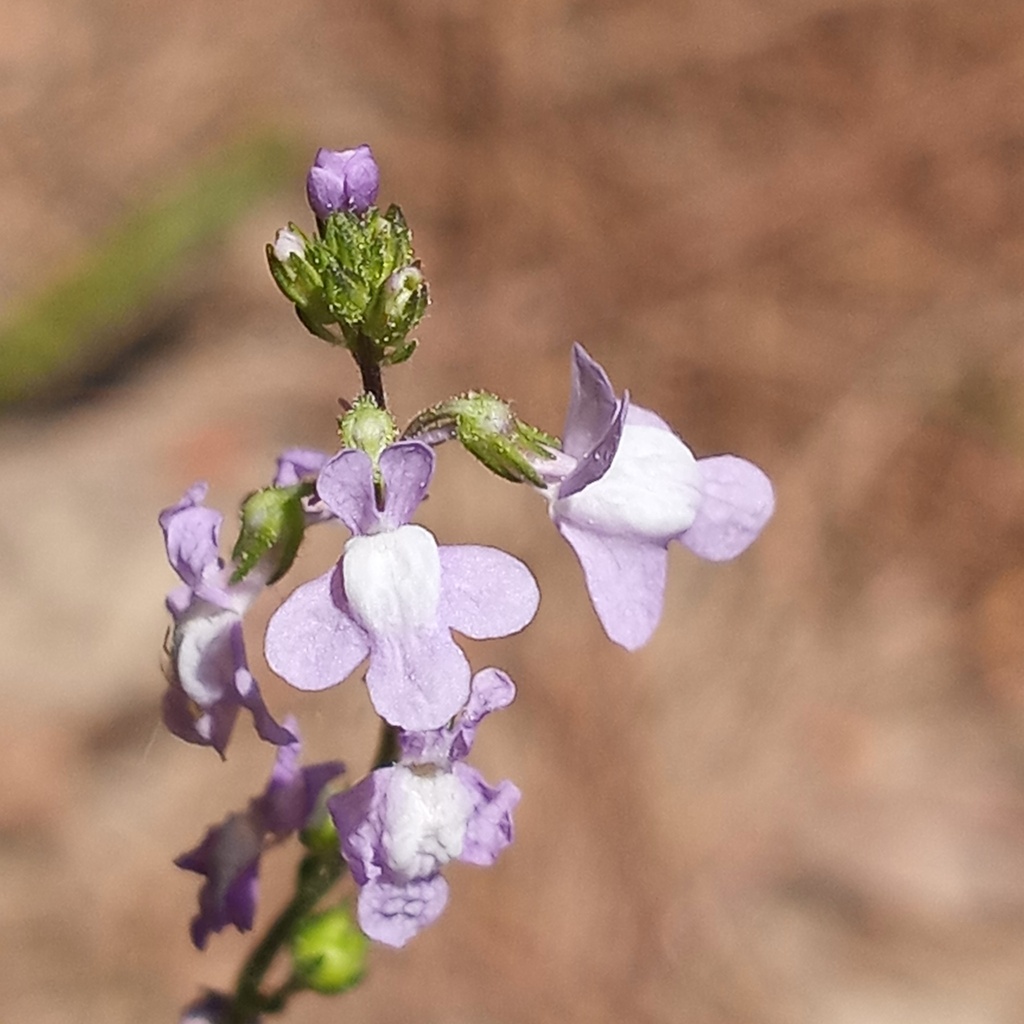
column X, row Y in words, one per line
column 357, row 284
column 273, row 523
column 399, row 291
column 294, row 274
column 367, row 427
column 488, row 429
column 329, row 951
column 397, row 309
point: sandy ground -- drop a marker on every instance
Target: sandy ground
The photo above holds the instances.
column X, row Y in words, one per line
column 795, row 229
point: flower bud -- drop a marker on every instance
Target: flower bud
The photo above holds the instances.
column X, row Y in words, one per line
column 273, row 522
column 329, row 951
column 288, row 243
column 289, row 258
column 488, row 429
column 367, row 427
column 396, row 309
column 399, row 289
column 341, row 180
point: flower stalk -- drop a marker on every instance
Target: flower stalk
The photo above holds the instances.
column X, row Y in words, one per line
column 620, row 486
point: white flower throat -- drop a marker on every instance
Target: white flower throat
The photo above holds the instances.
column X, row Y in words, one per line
column 393, row 580
column 425, row 824
column 652, row 488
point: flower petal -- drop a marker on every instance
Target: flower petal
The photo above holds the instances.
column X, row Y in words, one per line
column 485, row 592
column 392, row 580
column 228, row 857
column 737, row 501
column 592, row 405
column 251, row 698
column 417, row 680
column 191, row 535
column 291, row 796
column 406, row 468
column 490, row 690
column 598, row 459
column 650, row 491
column 312, row 641
column 345, row 486
column 209, row 727
column 625, row 580
column 393, row 913
column 294, row 464
column 489, row 828
column 357, row 817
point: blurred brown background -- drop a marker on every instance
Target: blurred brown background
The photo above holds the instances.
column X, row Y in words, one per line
column 797, row 230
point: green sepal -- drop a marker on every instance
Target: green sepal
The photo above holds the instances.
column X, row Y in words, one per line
column 489, row 430
column 357, row 283
column 400, row 355
column 396, row 310
column 329, row 951
column 273, row 523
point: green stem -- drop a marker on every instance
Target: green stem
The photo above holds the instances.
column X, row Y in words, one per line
column 316, row 877
column 274, row 1002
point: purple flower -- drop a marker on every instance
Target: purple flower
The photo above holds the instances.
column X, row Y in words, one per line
column 395, row 596
column 213, row 1008
column 345, row 179
column 402, row 824
column 208, row 672
column 625, row 486
column 294, row 464
column 229, row 853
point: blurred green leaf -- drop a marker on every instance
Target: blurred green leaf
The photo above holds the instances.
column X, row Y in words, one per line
column 85, row 316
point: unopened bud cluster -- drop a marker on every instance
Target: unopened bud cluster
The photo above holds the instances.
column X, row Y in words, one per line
column 356, row 282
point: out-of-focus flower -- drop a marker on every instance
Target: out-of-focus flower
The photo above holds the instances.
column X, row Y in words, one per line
column 395, row 596
column 625, row 486
column 213, row 1008
column 229, row 854
column 402, row 824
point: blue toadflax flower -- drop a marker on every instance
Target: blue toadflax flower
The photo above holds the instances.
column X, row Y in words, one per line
column 208, row 672
column 229, row 854
column 625, row 486
column 402, row 824
column 395, row 596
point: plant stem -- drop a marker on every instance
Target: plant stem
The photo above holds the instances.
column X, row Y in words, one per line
column 369, row 369
column 387, row 748
column 316, row 876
